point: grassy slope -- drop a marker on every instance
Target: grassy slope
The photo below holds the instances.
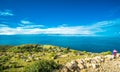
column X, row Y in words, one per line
column 22, row 56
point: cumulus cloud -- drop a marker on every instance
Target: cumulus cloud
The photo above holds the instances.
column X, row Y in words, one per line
column 6, row 13
column 88, row 30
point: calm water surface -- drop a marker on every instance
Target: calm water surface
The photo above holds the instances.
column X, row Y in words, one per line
column 92, row 44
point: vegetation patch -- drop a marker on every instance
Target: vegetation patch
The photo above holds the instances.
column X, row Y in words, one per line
column 38, row 58
column 42, row 66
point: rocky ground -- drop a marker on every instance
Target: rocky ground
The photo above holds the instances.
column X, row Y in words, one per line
column 96, row 64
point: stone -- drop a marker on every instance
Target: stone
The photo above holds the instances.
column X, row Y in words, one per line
column 28, row 60
column 93, row 61
column 64, row 69
column 72, row 65
column 37, row 59
column 109, row 57
column 102, row 60
column 98, row 59
column 30, row 57
column 94, row 66
column 88, row 65
column 118, row 55
column 81, row 66
column 88, row 60
column 81, row 61
column 69, row 66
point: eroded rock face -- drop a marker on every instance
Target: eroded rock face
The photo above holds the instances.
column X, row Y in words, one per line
column 88, row 63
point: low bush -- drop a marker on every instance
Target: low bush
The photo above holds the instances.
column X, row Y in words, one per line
column 66, row 50
column 42, row 66
column 4, row 59
column 106, row 53
column 26, row 48
column 1, row 68
column 4, row 48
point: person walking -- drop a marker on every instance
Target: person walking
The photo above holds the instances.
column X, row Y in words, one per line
column 115, row 53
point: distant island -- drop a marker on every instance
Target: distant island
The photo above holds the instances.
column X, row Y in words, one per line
column 44, row 58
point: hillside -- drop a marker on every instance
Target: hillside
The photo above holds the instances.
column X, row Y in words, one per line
column 39, row 58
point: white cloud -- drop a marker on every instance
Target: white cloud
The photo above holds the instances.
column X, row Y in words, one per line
column 55, row 30
column 88, row 30
column 31, row 26
column 26, row 22
column 6, row 13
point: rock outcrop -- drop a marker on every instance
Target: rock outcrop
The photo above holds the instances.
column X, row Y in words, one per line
column 94, row 64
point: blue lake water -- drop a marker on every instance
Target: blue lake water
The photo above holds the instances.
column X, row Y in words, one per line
column 91, row 44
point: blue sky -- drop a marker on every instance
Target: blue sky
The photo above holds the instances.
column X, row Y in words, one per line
column 64, row 17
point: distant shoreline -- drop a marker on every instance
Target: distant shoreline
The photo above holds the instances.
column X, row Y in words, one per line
column 47, row 44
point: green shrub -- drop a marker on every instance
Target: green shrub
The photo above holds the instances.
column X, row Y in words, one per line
column 75, row 51
column 106, row 53
column 1, row 68
column 66, row 50
column 42, row 66
column 13, row 65
column 4, row 59
column 4, row 48
column 26, row 48
column 53, row 55
column 10, row 65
